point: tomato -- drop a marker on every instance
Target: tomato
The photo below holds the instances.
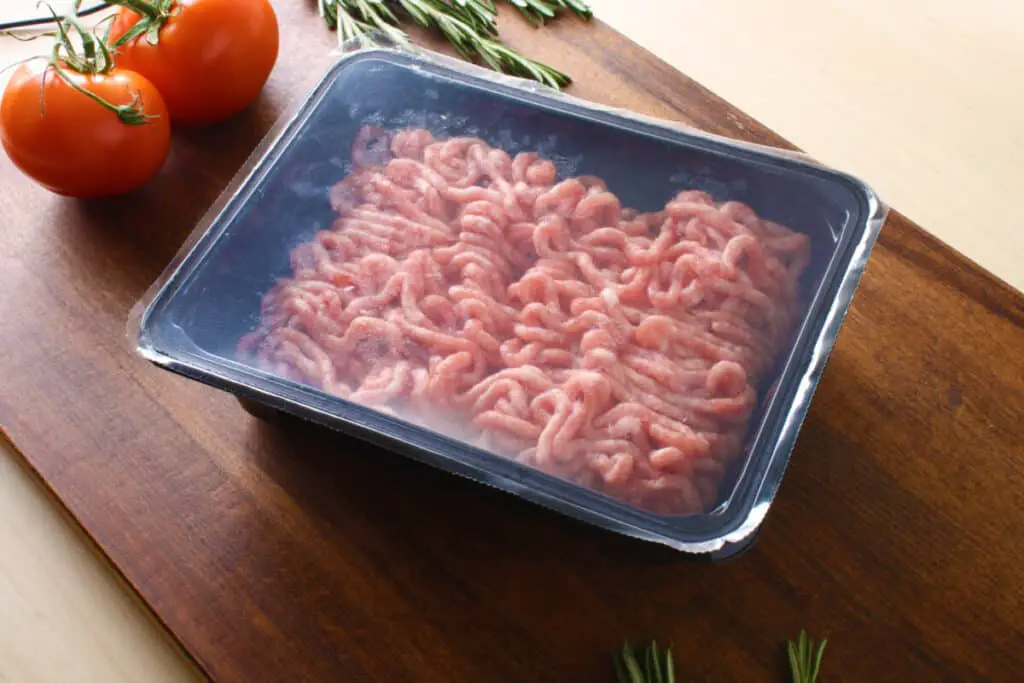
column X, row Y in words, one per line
column 211, row 58
column 71, row 144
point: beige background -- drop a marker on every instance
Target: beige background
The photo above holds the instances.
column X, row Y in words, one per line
column 922, row 98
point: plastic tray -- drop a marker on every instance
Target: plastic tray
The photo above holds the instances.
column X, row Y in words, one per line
column 191, row 319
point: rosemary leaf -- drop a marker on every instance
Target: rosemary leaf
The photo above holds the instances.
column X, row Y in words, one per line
column 805, row 658
column 470, row 26
column 656, row 661
column 817, row 659
column 328, row 12
column 578, row 6
column 621, row 676
column 535, row 11
column 794, row 663
column 481, row 14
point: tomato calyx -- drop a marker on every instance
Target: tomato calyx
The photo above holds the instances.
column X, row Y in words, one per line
column 154, row 14
column 92, row 57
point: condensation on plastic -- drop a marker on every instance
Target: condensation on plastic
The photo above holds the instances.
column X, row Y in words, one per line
column 724, row 531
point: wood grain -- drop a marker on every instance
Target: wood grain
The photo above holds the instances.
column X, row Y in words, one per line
column 282, row 552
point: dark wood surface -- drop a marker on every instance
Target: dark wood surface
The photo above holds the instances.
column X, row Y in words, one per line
column 283, row 553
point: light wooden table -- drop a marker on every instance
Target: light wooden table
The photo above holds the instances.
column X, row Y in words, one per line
column 923, row 98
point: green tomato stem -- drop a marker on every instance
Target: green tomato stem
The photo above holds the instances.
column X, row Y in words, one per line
column 130, row 114
column 144, row 8
column 154, row 14
column 96, row 59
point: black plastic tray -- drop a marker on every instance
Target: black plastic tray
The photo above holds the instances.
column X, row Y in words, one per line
column 192, row 319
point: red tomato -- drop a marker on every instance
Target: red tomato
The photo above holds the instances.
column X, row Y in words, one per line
column 211, row 59
column 74, row 146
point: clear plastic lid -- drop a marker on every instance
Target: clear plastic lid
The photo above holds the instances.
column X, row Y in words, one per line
column 616, row 317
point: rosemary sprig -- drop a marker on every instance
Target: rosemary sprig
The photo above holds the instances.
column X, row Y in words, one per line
column 535, row 11
column 378, row 15
column 539, row 11
column 653, row 667
column 480, row 13
column 469, row 25
column 805, row 658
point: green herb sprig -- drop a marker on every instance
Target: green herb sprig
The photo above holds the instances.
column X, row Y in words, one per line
column 471, row 26
column 805, row 658
column 652, row 666
column 654, row 669
column 539, row 11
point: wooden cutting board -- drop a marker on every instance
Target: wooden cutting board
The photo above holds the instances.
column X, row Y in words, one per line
column 279, row 552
